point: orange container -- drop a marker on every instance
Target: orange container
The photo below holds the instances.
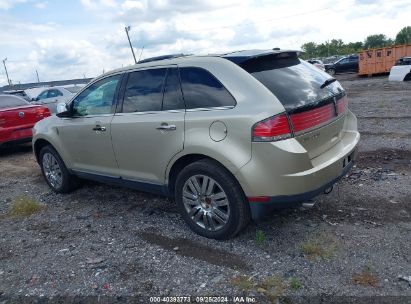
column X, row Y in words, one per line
column 376, row 61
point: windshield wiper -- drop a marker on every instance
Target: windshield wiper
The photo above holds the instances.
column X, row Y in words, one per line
column 327, row 82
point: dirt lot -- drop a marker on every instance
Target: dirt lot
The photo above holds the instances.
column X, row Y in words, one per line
column 106, row 241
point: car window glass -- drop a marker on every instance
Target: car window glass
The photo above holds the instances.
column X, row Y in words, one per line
column 98, row 98
column 202, row 90
column 54, row 93
column 345, row 60
column 172, row 99
column 144, row 91
column 43, row 95
column 11, row 102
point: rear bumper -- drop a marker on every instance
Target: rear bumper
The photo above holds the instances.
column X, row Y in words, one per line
column 259, row 210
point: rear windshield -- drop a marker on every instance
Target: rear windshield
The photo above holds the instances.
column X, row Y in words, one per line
column 294, row 82
column 11, row 102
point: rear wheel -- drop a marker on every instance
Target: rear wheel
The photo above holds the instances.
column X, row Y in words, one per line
column 55, row 171
column 331, row 72
column 211, row 201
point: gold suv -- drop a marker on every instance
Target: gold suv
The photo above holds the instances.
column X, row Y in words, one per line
column 229, row 137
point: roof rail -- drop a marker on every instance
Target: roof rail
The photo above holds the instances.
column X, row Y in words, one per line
column 163, row 57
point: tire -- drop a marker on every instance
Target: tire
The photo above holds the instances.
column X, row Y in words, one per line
column 58, row 178
column 331, row 72
column 217, row 194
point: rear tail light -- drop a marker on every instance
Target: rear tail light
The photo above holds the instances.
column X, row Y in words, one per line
column 43, row 112
column 282, row 126
column 342, row 105
column 312, row 118
column 272, row 129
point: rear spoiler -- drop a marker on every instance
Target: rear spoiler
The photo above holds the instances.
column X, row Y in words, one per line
column 243, row 56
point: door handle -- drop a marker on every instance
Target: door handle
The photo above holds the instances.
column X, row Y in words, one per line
column 166, row 127
column 99, row 128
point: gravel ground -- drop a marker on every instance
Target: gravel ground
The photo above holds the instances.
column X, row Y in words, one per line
column 112, row 244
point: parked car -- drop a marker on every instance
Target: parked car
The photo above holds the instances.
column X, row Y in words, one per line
column 229, row 137
column 17, row 118
column 345, row 64
column 401, row 71
column 50, row 96
column 20, row 93
column 317, row 63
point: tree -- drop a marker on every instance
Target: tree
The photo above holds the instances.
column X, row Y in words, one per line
column 404, row 36
column 377, row 41
column 310, row 50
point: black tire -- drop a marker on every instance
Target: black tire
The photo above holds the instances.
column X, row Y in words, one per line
column 69, row 182
column 331, row 72
column 239, row 209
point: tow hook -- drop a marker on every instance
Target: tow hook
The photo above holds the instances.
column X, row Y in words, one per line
column 328, row 190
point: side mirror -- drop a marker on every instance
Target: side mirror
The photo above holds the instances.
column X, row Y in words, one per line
column 62, row 110
column 35, row 99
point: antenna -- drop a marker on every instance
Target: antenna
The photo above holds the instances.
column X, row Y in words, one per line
column 141, row 54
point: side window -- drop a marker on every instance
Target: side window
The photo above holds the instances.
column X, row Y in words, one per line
column 202, row 90
column 43, row 95
column 54, row 93
column 173, row 99
column 144, row 91
column 98, row 98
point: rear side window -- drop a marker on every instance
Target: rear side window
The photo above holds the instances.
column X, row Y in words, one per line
column 202, row 90
column 11, row 102
column 54, row 93
column 144, row 91
column 173, row 99
column 294, row 82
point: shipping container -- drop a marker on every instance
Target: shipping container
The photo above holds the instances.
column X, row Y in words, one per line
column 381, row 60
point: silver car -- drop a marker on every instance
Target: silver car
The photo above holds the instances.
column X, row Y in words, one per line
column 229, row 137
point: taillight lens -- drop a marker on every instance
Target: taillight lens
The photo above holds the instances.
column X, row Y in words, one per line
column 312, row 118
column 272, row 129
column 43, row 112
column 342, row 105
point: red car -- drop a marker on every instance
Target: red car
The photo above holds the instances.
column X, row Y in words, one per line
column 17, row 118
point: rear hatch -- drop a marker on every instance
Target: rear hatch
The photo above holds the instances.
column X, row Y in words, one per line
column 314, row 102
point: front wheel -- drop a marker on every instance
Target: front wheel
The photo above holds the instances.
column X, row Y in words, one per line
column 55, row 171
column 331, row 72
column 211, row 201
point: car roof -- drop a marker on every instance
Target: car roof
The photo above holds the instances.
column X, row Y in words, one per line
column 237, row 57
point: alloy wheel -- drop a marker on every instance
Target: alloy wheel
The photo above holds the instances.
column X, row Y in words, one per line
column 52, row 170
column 206, row 202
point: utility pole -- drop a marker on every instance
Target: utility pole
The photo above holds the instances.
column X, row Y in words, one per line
column 7, row 74
column 38, row 80
column 127, row 29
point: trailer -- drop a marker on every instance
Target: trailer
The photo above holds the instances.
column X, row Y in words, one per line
column 381, row 60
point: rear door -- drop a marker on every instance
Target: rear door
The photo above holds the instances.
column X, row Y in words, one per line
column 148, row 130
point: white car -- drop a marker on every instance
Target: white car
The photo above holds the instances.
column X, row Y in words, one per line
column 317, row 63
column 401, row 71
column 49, row 96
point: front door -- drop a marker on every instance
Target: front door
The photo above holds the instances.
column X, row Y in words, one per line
column 148, row 130
column 86, row 135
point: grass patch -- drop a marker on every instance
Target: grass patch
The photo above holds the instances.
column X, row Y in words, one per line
column 24, row 206
column 272, row 287
column 243, row 283
column 321, row 246
column 260, row 237
column 366, row 278
column 295, row 283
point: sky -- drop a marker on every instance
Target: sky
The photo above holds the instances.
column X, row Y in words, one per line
column 82, row 38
